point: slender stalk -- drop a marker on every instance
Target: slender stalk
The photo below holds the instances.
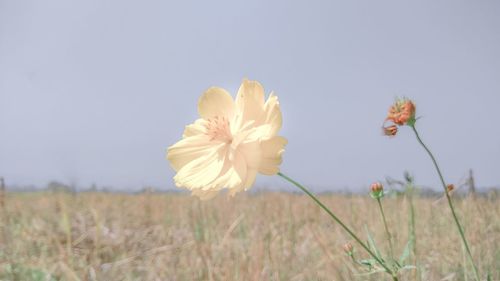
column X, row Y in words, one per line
column 386, row 228
column 334, row 217
column 450, row 204
column 411, row 227
column 464, row 255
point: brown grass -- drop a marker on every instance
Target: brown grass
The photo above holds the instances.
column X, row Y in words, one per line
column 266, row 236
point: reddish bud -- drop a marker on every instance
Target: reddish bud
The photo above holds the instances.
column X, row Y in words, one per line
column 348, row 248
column 377, row 190
column 390, row 130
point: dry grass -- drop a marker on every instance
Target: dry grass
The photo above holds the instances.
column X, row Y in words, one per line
column 266, row 236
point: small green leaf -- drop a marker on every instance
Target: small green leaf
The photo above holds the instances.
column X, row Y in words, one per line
column 368, row 262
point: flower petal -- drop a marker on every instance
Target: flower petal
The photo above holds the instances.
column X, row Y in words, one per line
column 216, row 102
column 197, row 128
column 273, row 114
column 272, row 150
column 200, row 172
column 250, row 101
column 249, row 181
column 261, row 132
column 252, row 153
column 188, row 149
column 233, row 174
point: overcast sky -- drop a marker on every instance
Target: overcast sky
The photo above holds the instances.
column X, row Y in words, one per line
column 95, row 91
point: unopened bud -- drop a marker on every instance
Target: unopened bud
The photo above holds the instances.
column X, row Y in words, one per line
column 376, row 190
column 390, row 131
column 348, row 248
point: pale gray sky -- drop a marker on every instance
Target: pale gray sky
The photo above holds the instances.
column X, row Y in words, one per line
column 94, row 91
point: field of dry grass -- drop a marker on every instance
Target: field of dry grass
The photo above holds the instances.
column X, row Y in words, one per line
column 264, row 236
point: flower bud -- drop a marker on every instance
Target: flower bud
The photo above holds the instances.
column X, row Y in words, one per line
column 348, row 248
column 391, row 130
column 402, row 112
column 450, row 188
column 376, row 190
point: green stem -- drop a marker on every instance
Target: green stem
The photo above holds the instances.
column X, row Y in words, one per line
column 413, row 236
column 334, row 217
column 386, row 228
column 460, row 230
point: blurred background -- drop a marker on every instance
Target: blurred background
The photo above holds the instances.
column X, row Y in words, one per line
column 93, row 92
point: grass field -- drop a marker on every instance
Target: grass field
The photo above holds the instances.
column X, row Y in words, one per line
column 262, row 236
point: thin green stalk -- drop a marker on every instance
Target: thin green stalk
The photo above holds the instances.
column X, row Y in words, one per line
column 464, row 255
column 386, row 228
column 450, row 204
column 334, row 217
column 411, row 226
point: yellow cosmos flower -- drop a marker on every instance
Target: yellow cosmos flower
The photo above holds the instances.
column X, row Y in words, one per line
column 231, row 142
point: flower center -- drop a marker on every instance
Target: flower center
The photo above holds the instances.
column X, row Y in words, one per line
column 218, row 129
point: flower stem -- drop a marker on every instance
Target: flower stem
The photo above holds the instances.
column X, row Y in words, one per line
column 334, row 217
column 411, row 226
column 460, row 229
column 386, row 228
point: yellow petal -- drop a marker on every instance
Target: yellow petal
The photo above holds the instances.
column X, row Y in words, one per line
column 251, row 134
column 250, row 101
column 259, row 133
column 188, row 149
column 234, row 173
column 252, row 153
column 249, row 181
column 232, row 176
column 197, row 128
column 272, row 150
column 216, row 102
column 273, row 114
column 200, row 172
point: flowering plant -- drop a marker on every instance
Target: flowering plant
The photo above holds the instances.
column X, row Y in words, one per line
column 234, row 140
